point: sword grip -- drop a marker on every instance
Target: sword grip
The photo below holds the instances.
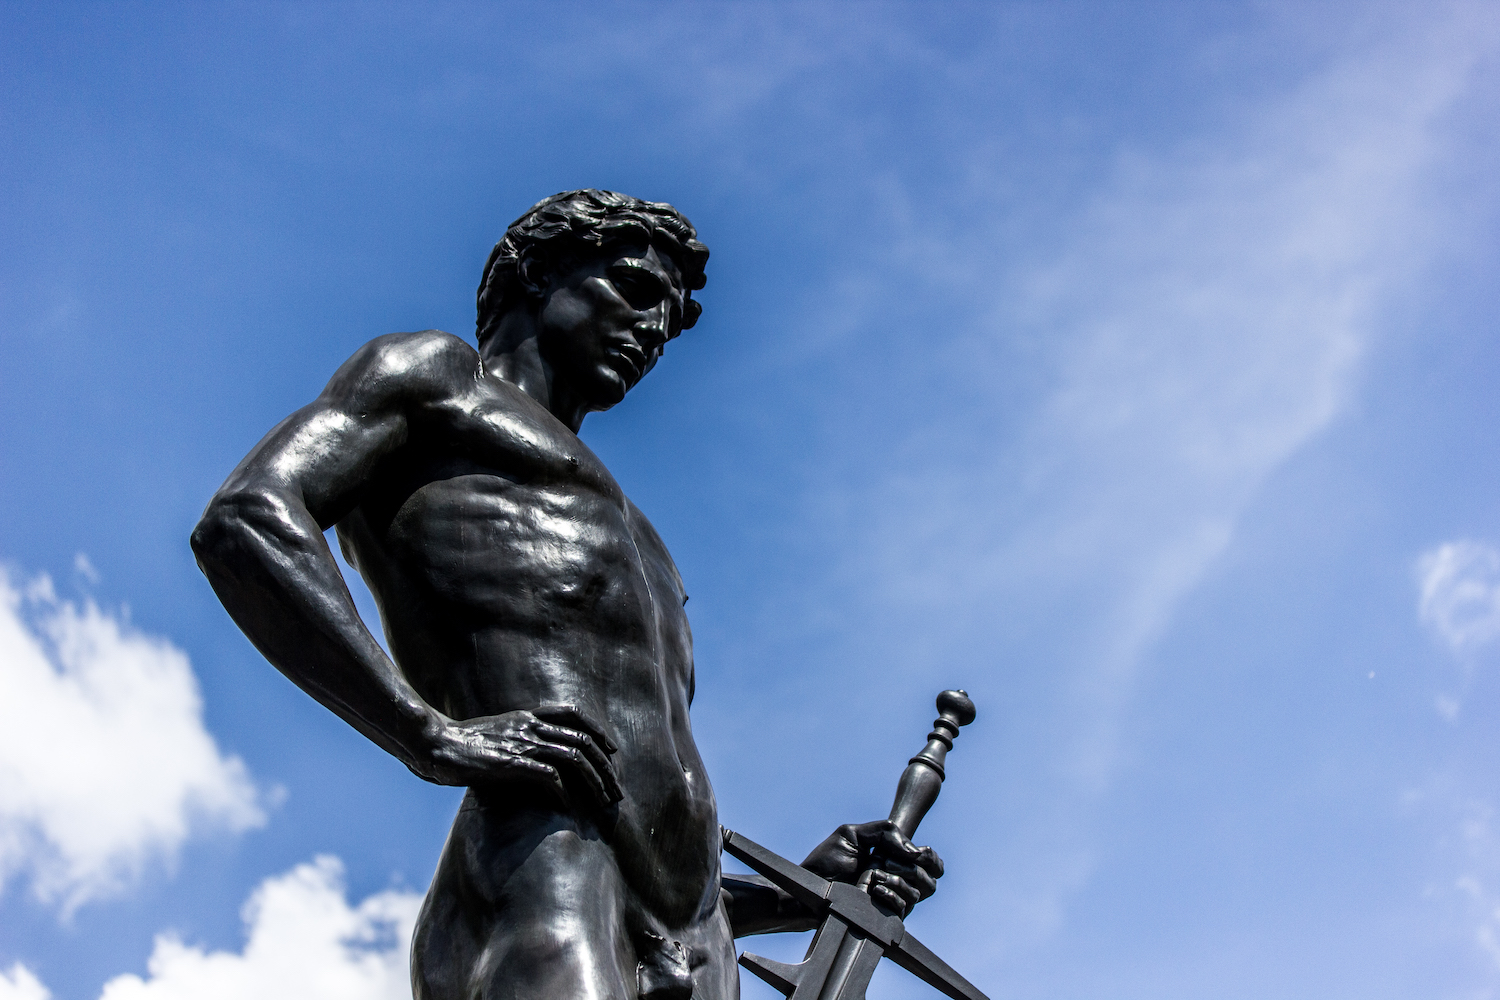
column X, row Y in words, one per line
column 923, row 777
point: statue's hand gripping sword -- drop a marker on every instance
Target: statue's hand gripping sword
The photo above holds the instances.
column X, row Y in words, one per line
column 855, row 933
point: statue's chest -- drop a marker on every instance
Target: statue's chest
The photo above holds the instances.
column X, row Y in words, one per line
column 494, row 489
column 499, row 429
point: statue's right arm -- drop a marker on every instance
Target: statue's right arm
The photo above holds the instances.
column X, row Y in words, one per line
column 260, row 543
column 755, row 906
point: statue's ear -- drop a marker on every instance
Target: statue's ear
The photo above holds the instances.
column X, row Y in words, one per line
column 534, row 275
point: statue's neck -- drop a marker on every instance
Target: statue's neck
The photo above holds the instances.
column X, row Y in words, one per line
column 514, row 354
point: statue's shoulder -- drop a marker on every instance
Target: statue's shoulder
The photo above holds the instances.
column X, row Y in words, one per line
column 421, row 367
column 425, row 354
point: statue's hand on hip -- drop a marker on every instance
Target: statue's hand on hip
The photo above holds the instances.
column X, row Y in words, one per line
column 551, row 746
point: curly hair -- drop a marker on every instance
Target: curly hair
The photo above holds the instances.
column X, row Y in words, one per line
column 557, row 229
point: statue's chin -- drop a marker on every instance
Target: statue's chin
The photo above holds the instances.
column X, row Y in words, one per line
column 607, row 388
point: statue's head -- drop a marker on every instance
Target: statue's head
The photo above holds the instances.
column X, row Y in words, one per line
column 558, row 233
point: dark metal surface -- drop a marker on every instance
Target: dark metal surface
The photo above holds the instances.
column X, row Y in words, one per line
column 540, row 654
column 855, row 932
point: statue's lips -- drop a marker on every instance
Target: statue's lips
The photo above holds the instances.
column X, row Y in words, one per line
column 628, row 361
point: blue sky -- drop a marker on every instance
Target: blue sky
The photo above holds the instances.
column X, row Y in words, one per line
column 1131, row 366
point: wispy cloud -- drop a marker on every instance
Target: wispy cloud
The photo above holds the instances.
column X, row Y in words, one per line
column 1478, row 884
column 1460, row 594
column 1212, row 313
column 1203, row 320
column 1458, row 586
column 104, row 760
column 1467, row 842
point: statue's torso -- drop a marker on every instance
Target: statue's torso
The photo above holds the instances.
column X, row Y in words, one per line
column 512, row 572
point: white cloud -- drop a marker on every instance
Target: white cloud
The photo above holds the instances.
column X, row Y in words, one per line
column 303, row 940
column 104, row 760
column 20, row 984
column 1460, row 593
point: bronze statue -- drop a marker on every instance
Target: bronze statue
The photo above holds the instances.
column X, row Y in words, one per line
column 540, row 654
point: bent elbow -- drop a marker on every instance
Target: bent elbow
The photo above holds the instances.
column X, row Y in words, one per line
column 230, row 523
column 216, row 530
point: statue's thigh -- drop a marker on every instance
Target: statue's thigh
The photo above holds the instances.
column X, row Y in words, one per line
column 525, row 906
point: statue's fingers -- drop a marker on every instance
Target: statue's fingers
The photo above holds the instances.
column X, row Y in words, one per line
column 891, row 893
column 885, row 897
column 889, row 843
column 575, row 761
column 538, row 771
column 590, row 748
column 908, row 855
column 874, row 834
column 907, row 891
column 920, row 880
column 929, row 860
column 900, row 885
column 572, row 715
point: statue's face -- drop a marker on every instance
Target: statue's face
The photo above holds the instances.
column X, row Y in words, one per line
column 606, row 321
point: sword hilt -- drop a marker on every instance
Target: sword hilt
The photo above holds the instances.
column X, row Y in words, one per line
column 854, row 931
column 923, row 777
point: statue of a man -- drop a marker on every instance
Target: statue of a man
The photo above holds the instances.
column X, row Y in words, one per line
column 540, row 654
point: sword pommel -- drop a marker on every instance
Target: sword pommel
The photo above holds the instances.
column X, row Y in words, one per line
column 923, row 777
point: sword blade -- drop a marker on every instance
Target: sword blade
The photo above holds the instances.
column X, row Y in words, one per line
column 806, row 979
column 852, row 968
column 914, row 956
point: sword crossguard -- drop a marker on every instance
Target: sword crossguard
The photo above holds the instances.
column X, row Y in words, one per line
column 852, row 938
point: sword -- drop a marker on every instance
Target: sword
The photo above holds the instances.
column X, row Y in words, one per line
column 855, row 933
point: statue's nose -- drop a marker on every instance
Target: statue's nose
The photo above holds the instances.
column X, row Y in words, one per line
column 651, row 329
